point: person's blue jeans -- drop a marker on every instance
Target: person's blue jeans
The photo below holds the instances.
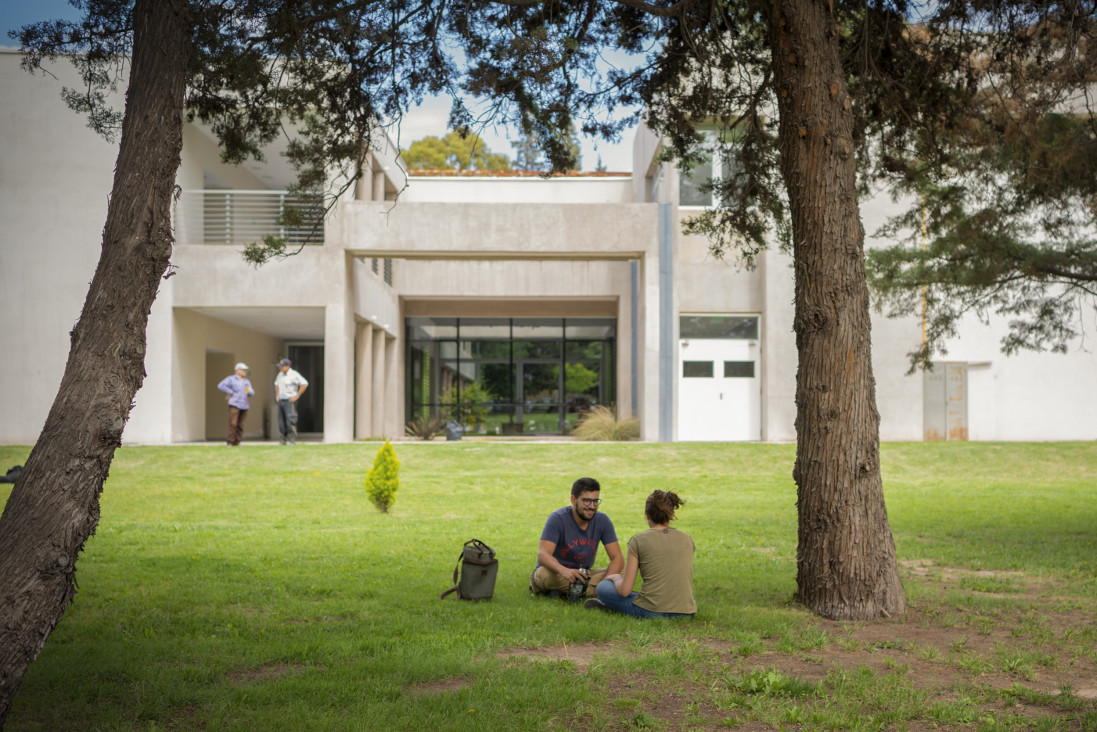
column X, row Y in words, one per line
column 607, row 593
column 287, row 420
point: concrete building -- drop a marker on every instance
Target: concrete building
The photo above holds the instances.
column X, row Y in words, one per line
column 536, row 298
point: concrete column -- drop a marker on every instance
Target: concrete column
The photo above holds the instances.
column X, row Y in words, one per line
column 363, row 381
column 363, row 187
column 656, row 310
column 338, row 367
column 394, row 395
column 668, row 326
column 377, row 420
column 378, row 186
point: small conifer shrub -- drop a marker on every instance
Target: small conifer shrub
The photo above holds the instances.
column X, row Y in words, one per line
column 382, row 480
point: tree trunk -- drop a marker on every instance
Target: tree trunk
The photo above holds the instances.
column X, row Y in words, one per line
column 54, row 505
column 846, row 567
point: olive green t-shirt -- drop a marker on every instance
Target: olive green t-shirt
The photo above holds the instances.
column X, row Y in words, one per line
column 666, row 566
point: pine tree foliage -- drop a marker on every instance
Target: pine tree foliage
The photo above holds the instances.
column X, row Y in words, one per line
column 1006, row 188
column 978, row 115
column 529, row 156
column 383, row 480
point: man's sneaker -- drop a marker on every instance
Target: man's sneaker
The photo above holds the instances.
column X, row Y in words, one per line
column 595, row 604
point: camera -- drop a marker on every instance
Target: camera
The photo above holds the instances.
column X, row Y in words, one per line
column 578, row 588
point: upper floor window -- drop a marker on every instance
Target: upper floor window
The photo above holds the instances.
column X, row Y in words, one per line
column 693, row 184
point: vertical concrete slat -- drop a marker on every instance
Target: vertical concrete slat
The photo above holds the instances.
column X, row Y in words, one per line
column 363, row 381
column 666, row 325
column 378, row 384
column 379, row 186
column 338, row 366
column 393, row 426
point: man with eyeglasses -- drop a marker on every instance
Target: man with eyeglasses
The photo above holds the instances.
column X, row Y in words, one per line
column 569, row 543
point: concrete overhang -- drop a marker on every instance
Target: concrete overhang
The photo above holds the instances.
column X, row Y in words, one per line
column 288, row 324
column 511, row 307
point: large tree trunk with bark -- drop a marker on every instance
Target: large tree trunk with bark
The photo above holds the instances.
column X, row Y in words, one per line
column 54, row 505
column 846, row 567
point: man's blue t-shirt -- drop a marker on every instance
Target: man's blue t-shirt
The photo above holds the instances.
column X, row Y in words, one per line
column 576, row 548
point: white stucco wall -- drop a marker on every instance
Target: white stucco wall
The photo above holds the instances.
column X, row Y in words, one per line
column 1027, row 396
column 55, row 180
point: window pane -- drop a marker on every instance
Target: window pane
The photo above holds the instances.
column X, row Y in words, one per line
column 581, row 380
column 476, row 328
column 584, row 350
column 448, row 378
column 697, row 369
column 536, row 328
column 537, row 349
column 689, row 186
column 578, row 329
column 418, row 375
column 488, row 349
column 498, row 378
column 499, row 420
column 540, row 384
column 738, row 369
column 427, row 328
column 448, row 349
column 718, row 326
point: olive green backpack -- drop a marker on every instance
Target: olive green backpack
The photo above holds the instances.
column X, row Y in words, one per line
column 477, row 567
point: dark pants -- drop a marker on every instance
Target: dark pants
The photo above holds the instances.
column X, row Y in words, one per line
column 237, row 417
column 287, row 420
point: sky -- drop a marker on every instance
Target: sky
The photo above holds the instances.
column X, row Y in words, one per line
column 428, row 119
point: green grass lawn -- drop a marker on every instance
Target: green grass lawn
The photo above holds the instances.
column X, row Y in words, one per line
column 258, row 588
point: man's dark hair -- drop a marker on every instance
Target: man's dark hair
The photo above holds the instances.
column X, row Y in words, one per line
column 584, row 485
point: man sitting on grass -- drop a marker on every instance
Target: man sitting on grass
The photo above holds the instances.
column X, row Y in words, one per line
column 569, row 543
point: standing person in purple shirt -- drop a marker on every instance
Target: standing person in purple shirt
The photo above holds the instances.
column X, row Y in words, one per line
column 569, row 543
column 238, row 387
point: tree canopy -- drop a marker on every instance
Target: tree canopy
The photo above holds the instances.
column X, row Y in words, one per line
column 454, row 151
column 528, row 155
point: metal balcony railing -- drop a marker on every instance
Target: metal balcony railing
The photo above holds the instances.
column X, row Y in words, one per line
column 242, row 217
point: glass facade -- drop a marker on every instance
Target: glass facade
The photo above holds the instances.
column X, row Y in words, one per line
column 506, row 376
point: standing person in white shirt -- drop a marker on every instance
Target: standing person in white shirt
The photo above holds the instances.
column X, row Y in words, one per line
column 288, row 388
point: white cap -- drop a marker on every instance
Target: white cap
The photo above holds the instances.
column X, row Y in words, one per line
column 241, row 365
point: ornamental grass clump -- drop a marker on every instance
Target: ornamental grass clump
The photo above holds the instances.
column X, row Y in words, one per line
column 601, row 423
column 382, row 480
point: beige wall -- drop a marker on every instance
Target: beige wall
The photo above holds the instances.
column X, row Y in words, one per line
column 203, row 153
column 484, row 230
column 195, row 394
column 53, row 204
